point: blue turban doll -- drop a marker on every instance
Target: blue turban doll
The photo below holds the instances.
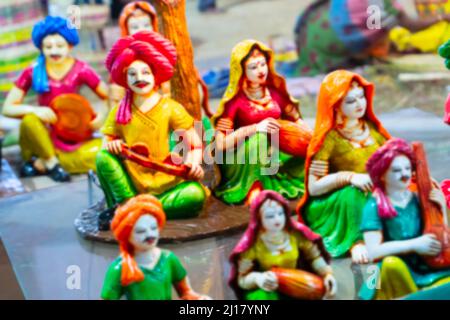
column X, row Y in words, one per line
column 50, row 25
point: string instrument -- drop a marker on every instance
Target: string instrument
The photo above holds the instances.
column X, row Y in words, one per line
column 433, row 219
column 299, row 284
column 140, row 154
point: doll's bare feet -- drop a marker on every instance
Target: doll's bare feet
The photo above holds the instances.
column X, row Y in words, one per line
column 359, row 254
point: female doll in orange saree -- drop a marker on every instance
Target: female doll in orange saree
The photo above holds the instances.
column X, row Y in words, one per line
column 347, row 133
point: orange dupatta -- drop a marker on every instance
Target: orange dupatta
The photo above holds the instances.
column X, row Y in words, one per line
column 332, row 90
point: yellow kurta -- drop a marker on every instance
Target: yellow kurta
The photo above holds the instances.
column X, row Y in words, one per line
column 266, row 260
column 153, row 129
column 343, row 156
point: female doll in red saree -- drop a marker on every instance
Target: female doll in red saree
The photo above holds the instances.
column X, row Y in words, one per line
column 250, row 112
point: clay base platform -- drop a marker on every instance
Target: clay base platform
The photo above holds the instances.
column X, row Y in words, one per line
column 217, row 218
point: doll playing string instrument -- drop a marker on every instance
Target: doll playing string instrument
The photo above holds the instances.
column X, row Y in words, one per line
column 433, row 218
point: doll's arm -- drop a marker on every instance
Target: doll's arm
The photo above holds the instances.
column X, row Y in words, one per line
column 320, row 182
column 185, row 291
column 378, row 249
column 249, row 280
column 313, row 254
column 13, row 107
column 319, row 185
column 232, row 138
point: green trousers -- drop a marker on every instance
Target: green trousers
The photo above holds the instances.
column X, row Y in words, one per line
column 183, row 201
column 260, row 294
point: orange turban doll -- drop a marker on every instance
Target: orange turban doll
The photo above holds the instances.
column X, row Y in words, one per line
column 122, row 226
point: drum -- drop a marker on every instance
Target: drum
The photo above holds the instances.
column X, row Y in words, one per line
column 74, row 114
column 299, row 284
column 294, row 138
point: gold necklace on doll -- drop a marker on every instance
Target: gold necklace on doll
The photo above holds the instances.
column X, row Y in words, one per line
column 252, row 95
column 277, row 245
column 358, row 139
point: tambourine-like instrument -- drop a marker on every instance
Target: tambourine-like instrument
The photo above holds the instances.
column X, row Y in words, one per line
column 140, row 154
column 432, row 216
column 75, row 114
column 294, row 138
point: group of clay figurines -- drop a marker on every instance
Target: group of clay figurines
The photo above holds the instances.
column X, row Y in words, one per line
column 353, row 180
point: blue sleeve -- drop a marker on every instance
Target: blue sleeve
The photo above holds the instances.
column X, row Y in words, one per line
column 370, row 220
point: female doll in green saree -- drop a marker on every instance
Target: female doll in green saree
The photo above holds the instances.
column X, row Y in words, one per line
column 347, row 133
column 256, row 108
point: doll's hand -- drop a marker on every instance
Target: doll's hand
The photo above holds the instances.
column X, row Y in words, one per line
column 46, row 114
column 269, row 125
column 196, row 172
column 362, row 181
column 330, row 285
column 267, row 281
column 114, row 146
column 437, row 196
column 360, row 255
column 427, row 245
column 96, row 123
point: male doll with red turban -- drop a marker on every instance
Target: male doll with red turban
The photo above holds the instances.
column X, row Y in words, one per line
column 141, row 63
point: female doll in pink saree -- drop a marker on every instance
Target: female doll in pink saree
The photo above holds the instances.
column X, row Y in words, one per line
column 255, row 107
column 273, row 257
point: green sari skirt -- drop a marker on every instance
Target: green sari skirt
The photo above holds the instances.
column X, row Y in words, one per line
column 337, row 218
column 251, row 163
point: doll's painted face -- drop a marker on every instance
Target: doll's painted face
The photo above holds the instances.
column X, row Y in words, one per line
column 398, row 176
column 354, row 104
column 145, row 234
column 139, row 21
column 55, row 48
column 256, row 68
column 273, row 218
column 140, row 78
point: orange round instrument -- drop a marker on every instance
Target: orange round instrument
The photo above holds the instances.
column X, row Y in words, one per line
column 74, row 114
column 294, row 138
column 299, row 284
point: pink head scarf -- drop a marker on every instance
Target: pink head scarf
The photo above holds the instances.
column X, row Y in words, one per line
column 250, row 234
column 377, row 166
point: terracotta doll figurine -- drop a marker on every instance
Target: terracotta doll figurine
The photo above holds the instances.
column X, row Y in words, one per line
column 266, row 263
column 143, row 271
column 256, row 105
column 135, row 16
column 56, row 72
column 347, row 133
column 140, row 16
column 393, row 225
column 140, row 63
